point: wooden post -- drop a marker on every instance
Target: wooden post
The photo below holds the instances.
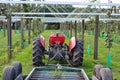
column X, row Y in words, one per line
column 33, row 27
column 22, row 35
column 76, row 29
column 9, row 36
column 66, row 26
column 96, row 37
column 108, row 27
column 29, row 32
column 71, row 29
column 68, row 29
column 60, row 26
column 83, row 26
column 4, row 25
column 15, row 24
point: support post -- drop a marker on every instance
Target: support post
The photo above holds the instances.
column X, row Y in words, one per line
column 4, row 25
column 82, row 30
column 67, row 26
column 66, row 32
column 76, row 29
column 96, row 37
column 108, row 27
column 29, row 32
column 60, row 26
column 22, row 35
column 64, row 27
column 71, row 29
column 15, row 27
column 33, row 28
column 9, row 36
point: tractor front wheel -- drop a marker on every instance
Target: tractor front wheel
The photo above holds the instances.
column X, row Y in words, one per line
column 77, row 58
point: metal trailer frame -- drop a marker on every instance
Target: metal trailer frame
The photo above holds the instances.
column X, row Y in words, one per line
column 60, row 3
column 55, row 13
column 55, row 19
column 48, row 68
column 53, row 67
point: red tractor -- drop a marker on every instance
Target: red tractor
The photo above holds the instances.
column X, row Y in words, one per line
column 58, row 50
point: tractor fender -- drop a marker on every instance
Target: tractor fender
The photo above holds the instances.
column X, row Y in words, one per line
column 72, row 43
column 42, row 41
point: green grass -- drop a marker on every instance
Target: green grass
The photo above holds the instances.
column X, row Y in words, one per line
column 16, row 42
column 89, row 62
column 25, row 56
column 16, row 49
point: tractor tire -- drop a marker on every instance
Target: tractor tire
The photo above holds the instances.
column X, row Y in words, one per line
column 9, row 73
column 18, row 68
column 37, row 53
column 96, row 72
column 77, row 57
column 106, row 74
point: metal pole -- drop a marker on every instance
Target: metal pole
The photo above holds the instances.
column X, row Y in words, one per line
column 4, row 25
column 96, row 37
column 60, row 26
column 15, row 27
column 29, row 32
column 33, row 28
column 83, row 26
column 71, row 29
column 38, row 28
column 76, row 29
column 67, row 26
column 108, row 27
column 22, row 35
column 9, row 36
column 64, row 27
column 58, row 3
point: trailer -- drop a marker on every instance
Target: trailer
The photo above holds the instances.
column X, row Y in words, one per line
column 52, row 72
column 55, row 72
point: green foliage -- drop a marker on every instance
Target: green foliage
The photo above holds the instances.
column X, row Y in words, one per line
column 25, row 8
column 54, row 26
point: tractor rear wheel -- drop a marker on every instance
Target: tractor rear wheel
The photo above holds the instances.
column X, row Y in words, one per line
column 77, row 58
column 37, row 53
column 9, row 73
column 106, row 74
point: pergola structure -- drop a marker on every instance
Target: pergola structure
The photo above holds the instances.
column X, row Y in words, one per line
column 19, row 15
column 61, row 3
column 79, row 14
column 55, row 19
